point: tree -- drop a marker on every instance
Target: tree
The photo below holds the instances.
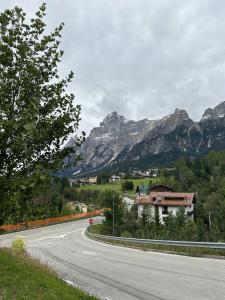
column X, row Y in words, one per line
column 127, row 186
column 181, row 217
column 138, row 190
column 36, row 113
column 145, row 215
column 103, row 178
column 184, row 174
column 157, row 219
column 215, row 234
column 171, row 226
column 114, row 203
column 220, row 214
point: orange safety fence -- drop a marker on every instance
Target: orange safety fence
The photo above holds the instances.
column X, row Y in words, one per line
column 49, row 221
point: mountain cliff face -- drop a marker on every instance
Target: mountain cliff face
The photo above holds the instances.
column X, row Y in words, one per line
column 121, row 143
column 175, row 133
column 106, row 141
column 213, row 127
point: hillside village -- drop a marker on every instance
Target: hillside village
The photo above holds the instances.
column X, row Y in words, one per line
column 150, row 173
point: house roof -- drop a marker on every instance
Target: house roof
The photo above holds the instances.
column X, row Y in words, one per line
column 166, row 198
column 146, row 199
column 155, row 186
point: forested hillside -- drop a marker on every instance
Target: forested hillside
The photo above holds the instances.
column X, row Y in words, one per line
column 205, row 177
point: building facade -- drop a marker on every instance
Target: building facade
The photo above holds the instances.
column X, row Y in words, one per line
column 165, row 203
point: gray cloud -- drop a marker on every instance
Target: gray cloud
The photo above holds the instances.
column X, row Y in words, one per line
column 141, row 58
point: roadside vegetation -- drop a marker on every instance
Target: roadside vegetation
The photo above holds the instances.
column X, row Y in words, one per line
column 57, row 198
column 24, row 278
column 205, row 177
column 37, row 115
column 189, row 251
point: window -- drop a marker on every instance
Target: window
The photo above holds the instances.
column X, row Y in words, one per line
column 165, row 210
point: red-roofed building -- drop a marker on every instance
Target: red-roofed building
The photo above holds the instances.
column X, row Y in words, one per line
column 165, row 203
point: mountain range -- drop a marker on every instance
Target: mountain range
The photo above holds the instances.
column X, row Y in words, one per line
column 122, row 144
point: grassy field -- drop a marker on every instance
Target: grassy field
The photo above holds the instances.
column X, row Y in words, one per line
column 23, row 278
column 117, row 186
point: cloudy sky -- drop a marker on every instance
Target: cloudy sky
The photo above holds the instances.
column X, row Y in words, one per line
column 142, row 58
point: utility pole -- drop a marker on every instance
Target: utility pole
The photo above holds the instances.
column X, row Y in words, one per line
column 210, row 222
column 113, row 217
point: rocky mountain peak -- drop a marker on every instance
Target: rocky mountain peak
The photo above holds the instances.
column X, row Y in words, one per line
column 181, row 113
column 174, row 119
column 114, row 117
column 118, row 141
column 214, row 113
column 110, row 124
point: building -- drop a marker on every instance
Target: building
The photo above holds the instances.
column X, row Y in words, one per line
column 83, row 181
column 151, row 173
column 73, row 182
column 128, row 202
column 82, row 207
column 92, row 180
column 165, row 203
column 73, row 206
column 114, row 178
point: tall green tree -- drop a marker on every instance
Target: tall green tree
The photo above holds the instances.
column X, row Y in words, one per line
column 114, row 203
column 127, row 186
column 36, row 113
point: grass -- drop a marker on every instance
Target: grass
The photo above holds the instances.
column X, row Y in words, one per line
column 117, row 186
column 24, row 278
column 102, row 187
column 96, row 229
column 188, row 251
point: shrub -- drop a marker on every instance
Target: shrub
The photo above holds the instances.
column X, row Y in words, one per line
column 127, row 186
column 18, row 245
column 126, row 234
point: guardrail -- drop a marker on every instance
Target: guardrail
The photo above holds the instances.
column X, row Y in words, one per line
column 107, row 238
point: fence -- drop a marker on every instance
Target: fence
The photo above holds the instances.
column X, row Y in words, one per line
column 49, row 221
column 133, row 241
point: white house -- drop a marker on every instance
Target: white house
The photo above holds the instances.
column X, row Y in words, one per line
column 165, row 203
column 92, row 180
column 128, row 202
column 114, row 178
column 72, row 181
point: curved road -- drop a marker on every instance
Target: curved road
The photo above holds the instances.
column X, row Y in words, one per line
column 118, row 273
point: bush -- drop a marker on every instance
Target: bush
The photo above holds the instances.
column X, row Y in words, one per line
column 18, row 245
column 127, row 186
column 126, row 234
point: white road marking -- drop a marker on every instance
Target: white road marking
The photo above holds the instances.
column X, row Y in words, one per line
column 69, row 282
column 50, row 237
column 90, row 253
column 55, row 236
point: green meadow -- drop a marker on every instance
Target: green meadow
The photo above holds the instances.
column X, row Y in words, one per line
column 117, row 186
column 24, row 278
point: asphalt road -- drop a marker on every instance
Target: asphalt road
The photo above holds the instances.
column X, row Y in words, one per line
column 118, row 273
